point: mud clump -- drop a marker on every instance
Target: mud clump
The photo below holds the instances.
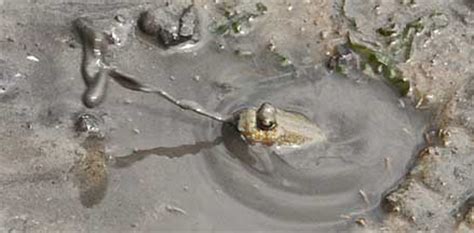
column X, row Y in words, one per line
column 171, row 25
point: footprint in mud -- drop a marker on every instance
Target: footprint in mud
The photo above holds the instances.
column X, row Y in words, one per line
column 364, row 126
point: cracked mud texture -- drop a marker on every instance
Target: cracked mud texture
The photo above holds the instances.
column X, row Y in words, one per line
column 151, row 170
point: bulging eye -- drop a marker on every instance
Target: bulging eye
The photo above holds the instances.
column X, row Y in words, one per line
column 266, row 125
column 266, row 119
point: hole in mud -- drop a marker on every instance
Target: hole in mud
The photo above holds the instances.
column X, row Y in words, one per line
column 365, row 127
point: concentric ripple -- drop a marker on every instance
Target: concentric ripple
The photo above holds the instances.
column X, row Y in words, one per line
column 371, row 138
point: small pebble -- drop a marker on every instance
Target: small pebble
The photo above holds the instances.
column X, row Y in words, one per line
column 32, row 58
column 290, row 7
column 401, row 103
column 271, row 46
column 361, row 222
column 174, row 209
column 324, row 34
column 119, row 18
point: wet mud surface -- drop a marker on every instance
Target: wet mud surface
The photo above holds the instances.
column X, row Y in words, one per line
column 82, row 151
column 345, row 174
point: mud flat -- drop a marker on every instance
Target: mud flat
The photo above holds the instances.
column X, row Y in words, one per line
column 395, row 104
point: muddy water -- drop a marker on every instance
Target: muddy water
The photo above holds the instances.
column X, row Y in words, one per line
column 371, row 134
column 371, row 138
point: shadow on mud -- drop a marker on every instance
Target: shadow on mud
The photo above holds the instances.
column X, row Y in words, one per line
column 170, row 152
column 91, row 171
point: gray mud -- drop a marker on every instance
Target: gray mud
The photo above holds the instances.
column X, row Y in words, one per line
column 139, row 163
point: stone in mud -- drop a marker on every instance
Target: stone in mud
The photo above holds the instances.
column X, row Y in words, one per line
column 90, row 125
column 344, row 60
column 171, row 25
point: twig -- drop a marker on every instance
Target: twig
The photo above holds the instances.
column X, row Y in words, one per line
column 364, row 196
column 131, row 83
